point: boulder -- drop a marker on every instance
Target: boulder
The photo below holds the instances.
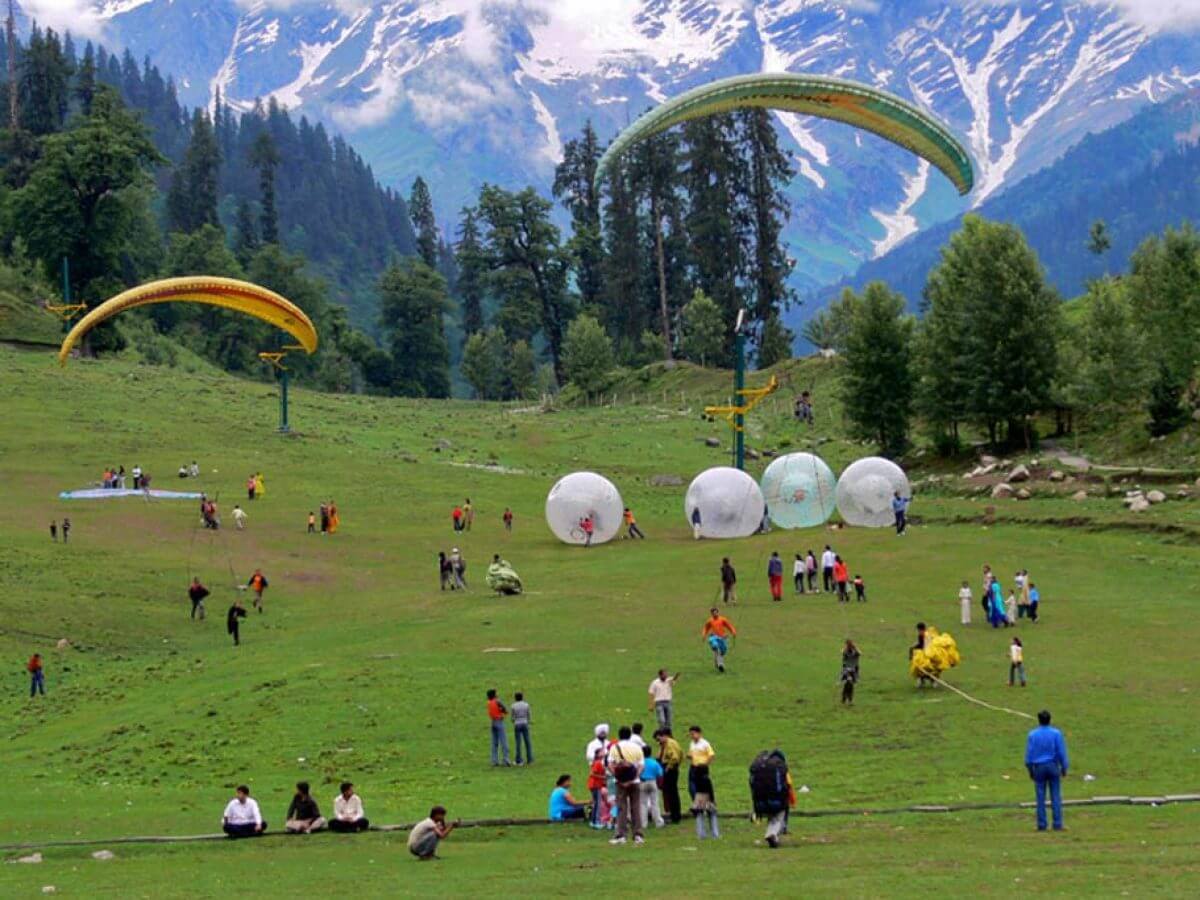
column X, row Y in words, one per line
column 31, row 858
column 712, row 442
column 1079, row 496
column 63, row 644
column 1002, row 491
column 1182, row 494
column 986, row 460
column 1140, row 504
column 666, row 481
column 1058, row 475
column 751, row 453
column 104, row 854
column 1023, row 494
column 1019, row 473
column 1156, row 496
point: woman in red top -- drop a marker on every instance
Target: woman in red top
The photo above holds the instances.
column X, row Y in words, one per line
column 841, row 577
column 597, row 783
column 37, row 682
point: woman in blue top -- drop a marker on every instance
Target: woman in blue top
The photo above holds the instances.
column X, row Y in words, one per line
column 996, row 614
column 562, row 805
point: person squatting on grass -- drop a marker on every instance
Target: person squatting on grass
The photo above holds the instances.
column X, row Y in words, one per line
column 423, row 840
column 563, row 807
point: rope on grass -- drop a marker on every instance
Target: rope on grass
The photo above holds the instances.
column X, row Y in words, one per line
column 976, row 700
column 1146, row 801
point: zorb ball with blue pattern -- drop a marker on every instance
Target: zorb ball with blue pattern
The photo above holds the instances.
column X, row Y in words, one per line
column 799, row 490
column 866, row 489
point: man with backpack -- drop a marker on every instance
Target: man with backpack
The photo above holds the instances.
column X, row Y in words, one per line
column 770, row 792
column 625, row 762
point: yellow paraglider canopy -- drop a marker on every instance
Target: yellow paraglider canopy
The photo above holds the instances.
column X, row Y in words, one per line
column 229, row 293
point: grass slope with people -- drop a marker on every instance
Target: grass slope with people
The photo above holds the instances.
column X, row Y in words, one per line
column 361, row 669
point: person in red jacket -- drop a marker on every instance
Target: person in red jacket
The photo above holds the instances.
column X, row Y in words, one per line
column 37, row 683
column 456, row 516
column 842, row 578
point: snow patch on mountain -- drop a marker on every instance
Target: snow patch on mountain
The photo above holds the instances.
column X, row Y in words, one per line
column 901, row 224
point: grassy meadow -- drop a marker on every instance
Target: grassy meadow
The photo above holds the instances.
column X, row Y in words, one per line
column 362, row 669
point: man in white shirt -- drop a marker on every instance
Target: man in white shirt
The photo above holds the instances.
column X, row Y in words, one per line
column 242, row 818
column 194, row 469
column 597, row 744
column 239, row 517
column 348, row 811
column 828, row 558
column 625, row 762
column 662, row 697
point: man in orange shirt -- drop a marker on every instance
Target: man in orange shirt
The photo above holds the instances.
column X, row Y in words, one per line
column 258, row 583
column 716, row 630
column 497, row 712
column 631, row 525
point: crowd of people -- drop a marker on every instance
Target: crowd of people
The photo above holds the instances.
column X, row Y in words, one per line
column 115, row 478
column 1022, row 602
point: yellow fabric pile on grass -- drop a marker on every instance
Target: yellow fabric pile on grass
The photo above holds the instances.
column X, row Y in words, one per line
column 940, row 653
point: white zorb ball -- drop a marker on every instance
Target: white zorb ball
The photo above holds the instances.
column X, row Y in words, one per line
column 865, row 491
column 584, row 494
column 799, row 490
column 730, row 503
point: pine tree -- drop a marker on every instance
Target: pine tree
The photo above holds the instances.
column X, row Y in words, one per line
column 245, row 233
column 420, row 207
column 413, row 300
column 85, row 79
column 878, row 386
column 655, row 174
column 472, row 272
column 528, row 265
column 770, row 172
column 44, row 84
column 774, row 342
column 192, row 201
column 703, row 330
column 265, row 158
column 574, row 185
column 1166, row 411
column 623, row 310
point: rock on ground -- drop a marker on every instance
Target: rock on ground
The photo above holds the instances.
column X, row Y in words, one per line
column 1019, row 473
column 712, row 442
column 1156, row 496
column 1058, row 475
column 1139, row 504
column 1079, row 496
column 1023, row 494
column 1002, row 490
column 666, row 481
column 104, row 854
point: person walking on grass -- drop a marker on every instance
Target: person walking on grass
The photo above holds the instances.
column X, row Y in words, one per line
column 850, row 658
column 798, row 571
column 242, row 817
column 1046, row 762
column 828, row 558
column 496, row 715
column 670, row 757
column 54, row 531
column 965, row 599
column 458, row 568
column 1016, row 662
column 423, row 840
column 1035, row 598
column 717, row 631
column 521, row 718
column 348, row 816
column 631, row 525
column 810, row 570
column 303, row 816
column 662, row 698
column 37, row 675
column 468, row 515
column 445, row 571
column 728, row 581
column 700, row 786
column 652, row 776
column 233, row 618
column 770, row 792
column 258, row 583
column 239, row 517
column 312, row 522
column 860, row 589
column 196, row 593
column 66, row 529
column 508, row 519
column 900, row 510
column 696, row 523
column 775, row 576
column 841, row 577
column 625, row 762
column 456, row 517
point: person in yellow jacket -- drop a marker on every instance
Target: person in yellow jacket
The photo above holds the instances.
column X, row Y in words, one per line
column 260, row 487
column 334, row 518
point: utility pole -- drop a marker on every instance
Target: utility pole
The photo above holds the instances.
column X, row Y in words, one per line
column 10, row 28
column 739, row 386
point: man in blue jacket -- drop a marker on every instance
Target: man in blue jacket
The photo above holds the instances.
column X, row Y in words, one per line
column 1046, row 760
column 900, row 509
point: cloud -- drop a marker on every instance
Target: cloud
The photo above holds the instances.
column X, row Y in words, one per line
column 1160, row 15
column 79, row 17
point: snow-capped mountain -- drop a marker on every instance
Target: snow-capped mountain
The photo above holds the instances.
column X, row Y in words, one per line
column 469, row 91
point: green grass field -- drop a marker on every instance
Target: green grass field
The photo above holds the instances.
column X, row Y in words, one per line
column 362, row 669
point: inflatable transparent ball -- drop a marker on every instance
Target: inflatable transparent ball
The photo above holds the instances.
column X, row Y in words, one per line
column 729, row 500
column 799, row 490
column 584, row 494
column 865, row 491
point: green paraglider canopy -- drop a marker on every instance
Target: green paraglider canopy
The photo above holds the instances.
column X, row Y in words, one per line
column 855, row 104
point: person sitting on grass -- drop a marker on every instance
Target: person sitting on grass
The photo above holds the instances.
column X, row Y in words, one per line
column 303, row 816
column 348, row 811
column 242, row 817
column 564, row 807
column 423, row 840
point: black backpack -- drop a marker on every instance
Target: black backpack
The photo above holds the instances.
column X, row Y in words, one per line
column 768, row 782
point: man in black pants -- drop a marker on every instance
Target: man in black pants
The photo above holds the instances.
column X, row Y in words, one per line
column 670, row 755
column 827, row 560
column 237, row 611
column 197, row 592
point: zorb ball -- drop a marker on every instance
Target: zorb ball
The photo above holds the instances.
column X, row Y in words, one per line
column 730, row 503
column 799, row 490
column 865, row 491
column 583, row 494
